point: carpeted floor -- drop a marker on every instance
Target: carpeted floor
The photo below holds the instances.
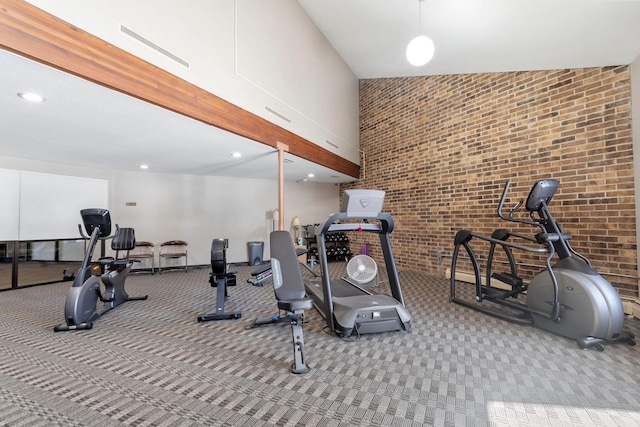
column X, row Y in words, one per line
column 150, row 363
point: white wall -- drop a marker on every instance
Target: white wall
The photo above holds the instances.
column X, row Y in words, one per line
column 199, row 208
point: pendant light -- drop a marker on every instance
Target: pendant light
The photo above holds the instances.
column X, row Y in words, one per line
column 420, row 50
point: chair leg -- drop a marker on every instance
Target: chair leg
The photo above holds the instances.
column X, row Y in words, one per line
column 175, row 265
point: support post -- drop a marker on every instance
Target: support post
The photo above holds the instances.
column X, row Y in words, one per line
column 281, row 149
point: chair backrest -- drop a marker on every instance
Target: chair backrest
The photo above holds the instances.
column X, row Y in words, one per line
column 143, row 249
column 218, row 257
column 173, row 248
column 290, row 284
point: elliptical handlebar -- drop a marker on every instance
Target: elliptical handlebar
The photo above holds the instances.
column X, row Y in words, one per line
column 514, row 209
column 502, row 199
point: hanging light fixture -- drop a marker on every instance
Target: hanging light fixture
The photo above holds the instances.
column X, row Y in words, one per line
column 420, row 50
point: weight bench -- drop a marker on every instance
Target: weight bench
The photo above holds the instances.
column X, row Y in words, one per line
column 220, row 278
column 288, row 287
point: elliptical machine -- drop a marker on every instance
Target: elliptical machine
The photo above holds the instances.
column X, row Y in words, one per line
column 568, row 298
column 81, row 307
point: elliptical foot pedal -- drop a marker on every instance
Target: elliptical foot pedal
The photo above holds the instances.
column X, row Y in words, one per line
column 496, row 293
column 509, row 279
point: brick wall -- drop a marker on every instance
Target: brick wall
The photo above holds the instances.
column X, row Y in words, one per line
column 443, row 146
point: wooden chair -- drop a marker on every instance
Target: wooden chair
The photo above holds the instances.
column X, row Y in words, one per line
column 144, row 250
column 172, row 249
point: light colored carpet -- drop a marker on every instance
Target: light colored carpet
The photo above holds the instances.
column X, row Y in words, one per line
column 150, row 363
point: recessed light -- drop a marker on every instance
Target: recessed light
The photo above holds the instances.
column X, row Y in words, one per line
column 30, row 96
column 310, row 175
column 144, row 166
column 236, row 154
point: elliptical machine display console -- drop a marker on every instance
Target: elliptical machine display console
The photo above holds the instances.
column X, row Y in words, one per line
column 568, row 298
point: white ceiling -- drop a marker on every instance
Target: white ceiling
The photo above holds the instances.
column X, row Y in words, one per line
column 86, row 124
column 479, row 36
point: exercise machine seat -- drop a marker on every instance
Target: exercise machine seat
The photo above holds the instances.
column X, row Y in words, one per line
column 289, row 287
column 123, row 240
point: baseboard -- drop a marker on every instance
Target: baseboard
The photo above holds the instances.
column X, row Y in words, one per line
column 631, row 307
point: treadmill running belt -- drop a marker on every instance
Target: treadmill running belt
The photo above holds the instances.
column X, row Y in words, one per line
column 339, row 288
column 342, row 288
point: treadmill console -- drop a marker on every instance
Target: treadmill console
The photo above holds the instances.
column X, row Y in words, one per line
column 362, row 203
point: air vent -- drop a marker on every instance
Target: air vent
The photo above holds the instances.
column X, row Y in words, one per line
column 275, row 113
column 332, row 144
column 153, row 46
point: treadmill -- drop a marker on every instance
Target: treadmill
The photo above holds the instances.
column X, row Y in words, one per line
column 350, row 309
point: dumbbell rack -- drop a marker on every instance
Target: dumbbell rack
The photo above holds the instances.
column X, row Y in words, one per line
column 337, row 245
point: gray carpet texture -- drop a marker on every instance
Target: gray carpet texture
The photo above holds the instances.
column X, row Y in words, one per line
column 151, row 363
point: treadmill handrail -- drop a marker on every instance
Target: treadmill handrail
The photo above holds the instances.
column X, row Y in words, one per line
column 335, row 228
column 385, row 226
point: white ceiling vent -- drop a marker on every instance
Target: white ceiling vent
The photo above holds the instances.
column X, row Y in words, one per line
column 275, row 113
column 129, row 32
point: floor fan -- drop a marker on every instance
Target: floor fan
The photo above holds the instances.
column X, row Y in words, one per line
column 363, row 270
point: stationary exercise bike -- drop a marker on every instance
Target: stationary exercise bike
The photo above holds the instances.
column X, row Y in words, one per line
column 568, row 298
column 81, row 307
